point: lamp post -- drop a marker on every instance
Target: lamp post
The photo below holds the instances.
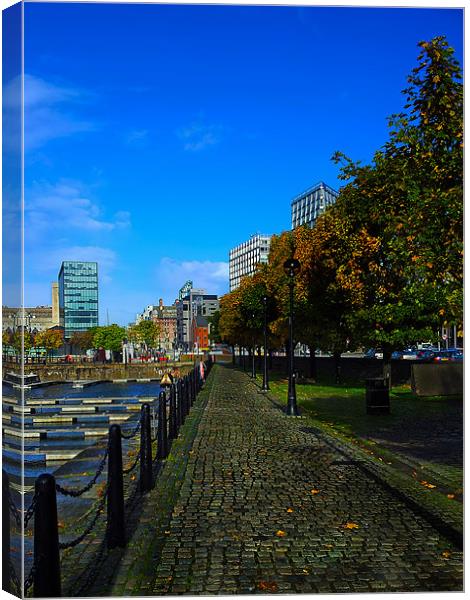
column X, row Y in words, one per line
column 253, row 365
column 291, row 268
column 265, row 387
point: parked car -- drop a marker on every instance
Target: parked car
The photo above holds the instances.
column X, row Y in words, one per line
column 410, row 354
column 397, row 355
column 427, row 355
column 449, row 355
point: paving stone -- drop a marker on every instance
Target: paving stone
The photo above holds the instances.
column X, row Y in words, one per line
column 229, row 529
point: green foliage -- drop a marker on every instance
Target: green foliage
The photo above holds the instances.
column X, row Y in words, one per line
column 214, row 330
column 109, row 337
column 145, row 332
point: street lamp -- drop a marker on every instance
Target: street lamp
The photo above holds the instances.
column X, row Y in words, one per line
column 265, row 387
column 253, row 366
column 291, row 268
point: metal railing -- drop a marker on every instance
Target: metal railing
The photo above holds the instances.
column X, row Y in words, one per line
column 44, row 577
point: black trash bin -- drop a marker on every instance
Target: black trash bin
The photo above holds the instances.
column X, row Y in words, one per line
column 377, row 396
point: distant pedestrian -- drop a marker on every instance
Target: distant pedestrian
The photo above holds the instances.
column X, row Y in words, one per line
column 202, row 371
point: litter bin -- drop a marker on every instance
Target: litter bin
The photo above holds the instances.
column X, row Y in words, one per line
column 377, row 396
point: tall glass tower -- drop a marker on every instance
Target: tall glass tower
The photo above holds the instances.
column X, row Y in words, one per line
column 78, row 296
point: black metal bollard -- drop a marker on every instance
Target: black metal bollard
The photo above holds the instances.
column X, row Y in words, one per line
column 145, row 449
column 115, row 527
column 46, row 539
column 173, row 431
column 187, row 395
column 6, row 577
column 162, row 433
column 179, row 406
column 192, row 388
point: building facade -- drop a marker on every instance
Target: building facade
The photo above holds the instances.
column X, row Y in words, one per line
column 78, row 296
column 307, row 206
column 244, row 258
column 200, row 334
column 195, row 303
column 165, row 318
column 33, row 319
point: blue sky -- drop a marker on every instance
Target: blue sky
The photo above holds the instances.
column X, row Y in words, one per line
column 158, row 137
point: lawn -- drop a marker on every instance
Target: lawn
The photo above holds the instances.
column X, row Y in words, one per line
column 422, row 438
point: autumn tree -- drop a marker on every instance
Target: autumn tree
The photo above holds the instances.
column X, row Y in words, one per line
column 83, row 339
column 50, row 339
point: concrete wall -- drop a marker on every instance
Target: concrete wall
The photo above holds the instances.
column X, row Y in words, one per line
column 445, row 379
column 352, row 369
column 94, row 371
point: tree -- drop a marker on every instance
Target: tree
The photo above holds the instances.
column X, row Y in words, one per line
column 214, row 332
column 408, row 204
column 84, row 339
column 145, row 332
column 109, row 337
column 50, row 339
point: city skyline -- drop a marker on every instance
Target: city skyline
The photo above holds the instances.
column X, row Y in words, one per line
column 155, row 166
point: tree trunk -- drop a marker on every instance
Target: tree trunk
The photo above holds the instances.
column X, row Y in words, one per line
column 313, row 363
column 337, row 364
column 387, row 366
column 233, row 355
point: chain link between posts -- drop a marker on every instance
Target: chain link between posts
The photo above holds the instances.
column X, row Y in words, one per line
column 90, row 484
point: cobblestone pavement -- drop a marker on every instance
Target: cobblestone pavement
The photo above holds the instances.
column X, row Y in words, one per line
column 266, row 506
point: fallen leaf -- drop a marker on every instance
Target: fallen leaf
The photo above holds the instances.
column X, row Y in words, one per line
column 132, row 477
column 427, row 484
column 446, row 553
column 350, row 525
column 60, row 524
column 451, row 496
column 267, row 586
column 314, row 492
column 280, row 533
column 305, row 571
column 290, row 510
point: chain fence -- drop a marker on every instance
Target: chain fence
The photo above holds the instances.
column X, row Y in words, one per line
column 180, row 401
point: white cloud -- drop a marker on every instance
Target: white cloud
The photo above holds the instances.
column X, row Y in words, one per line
column 105, row 257
column 199, row 136
column 46, row 111
column 66, row 207
column 171, row 274
column 42, row 267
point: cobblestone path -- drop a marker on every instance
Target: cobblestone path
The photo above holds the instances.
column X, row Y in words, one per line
column 265, row 505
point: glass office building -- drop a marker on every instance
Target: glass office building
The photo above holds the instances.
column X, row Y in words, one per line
column 308, row 205
column 78, row 296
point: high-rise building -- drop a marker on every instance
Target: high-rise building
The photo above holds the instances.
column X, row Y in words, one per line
column 308, row 205
column 244, row 258
column 78, row 296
